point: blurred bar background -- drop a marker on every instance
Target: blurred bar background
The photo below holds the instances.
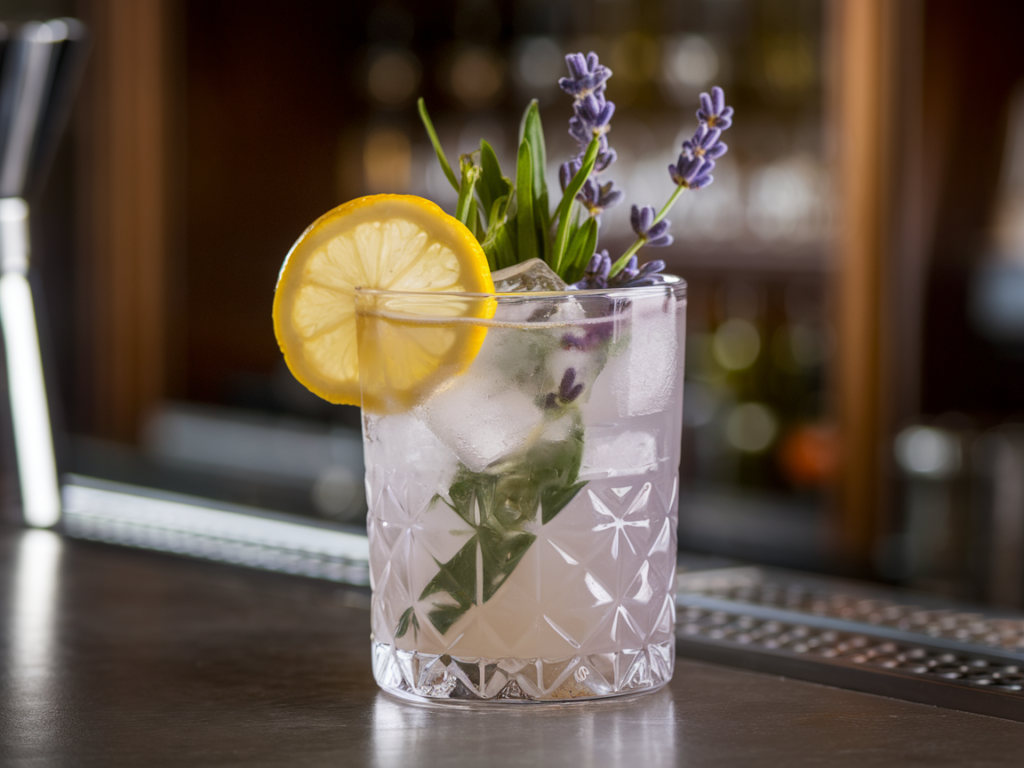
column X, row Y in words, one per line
column 855, row 363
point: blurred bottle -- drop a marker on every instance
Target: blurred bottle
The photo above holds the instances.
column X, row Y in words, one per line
column 757, row 378
column 741, row 347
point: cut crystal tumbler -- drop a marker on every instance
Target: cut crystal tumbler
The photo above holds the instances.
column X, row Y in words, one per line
column 522, row 479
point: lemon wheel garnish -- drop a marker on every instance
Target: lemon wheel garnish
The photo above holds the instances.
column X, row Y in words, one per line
column 411, row 343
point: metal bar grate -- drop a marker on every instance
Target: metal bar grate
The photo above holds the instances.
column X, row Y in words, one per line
column 854, row 636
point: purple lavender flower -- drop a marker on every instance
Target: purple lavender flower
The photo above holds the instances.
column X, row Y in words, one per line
column 696, row 161
column 586, row 75
column 580, row 131
column 592, row 114
column 629, row 271
column 705, row 143
column 631, row 275
column 692, row 173
column 568, row 390
column 658, row 236
column 654, row 234
column 567, row 170
column 713, row 111
column 597, row 197
column 605, row 156
column 591, row 118
column 595, row 110
column 596, row 273
column 596, row 277
column 593, row 336
column 648, row 274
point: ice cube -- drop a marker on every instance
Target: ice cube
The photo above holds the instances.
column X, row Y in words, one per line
column 393, row 443
column 643, row 377
column 654, row 358
column 608, row 451
column 482, row 416
column 532, row 275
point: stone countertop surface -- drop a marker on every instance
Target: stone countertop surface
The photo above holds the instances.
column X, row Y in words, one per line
column 119, row 657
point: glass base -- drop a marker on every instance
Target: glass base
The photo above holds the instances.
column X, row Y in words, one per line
column 428, row 677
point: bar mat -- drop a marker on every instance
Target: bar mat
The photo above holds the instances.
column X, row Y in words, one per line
column 855, row 636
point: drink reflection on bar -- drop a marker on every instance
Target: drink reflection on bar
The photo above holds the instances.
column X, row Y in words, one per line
column 854, row 397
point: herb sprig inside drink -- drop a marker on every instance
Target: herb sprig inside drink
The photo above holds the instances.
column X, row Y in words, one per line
column 522, row 398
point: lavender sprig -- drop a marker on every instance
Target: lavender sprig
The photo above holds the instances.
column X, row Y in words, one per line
column 691, row 171
column 592, row 114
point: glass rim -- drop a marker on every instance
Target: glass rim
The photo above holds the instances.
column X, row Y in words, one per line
column 674, row 282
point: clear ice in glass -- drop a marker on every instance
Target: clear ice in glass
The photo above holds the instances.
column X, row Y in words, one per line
column 532, row 275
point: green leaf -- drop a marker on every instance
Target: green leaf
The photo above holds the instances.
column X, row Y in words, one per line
column 559, row 459
column 500, row 246
column 500, row 554
column 443, row 616
column 422, row 105
column 495, row 230
column 562, row 236
column 531, row 131
column 581, row 247
column 492, row 185
column 457, row 577
column 525, row 229
column 465, row 206
column 497, row 212
column 589, row 245
column 474, row 224
column 589, row 158
column 467, row 489
column 554, row 500
column 492, row 257
column 501, row 503
column 406, row 620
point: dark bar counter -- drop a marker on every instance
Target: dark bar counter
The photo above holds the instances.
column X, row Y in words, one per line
column 116, row 657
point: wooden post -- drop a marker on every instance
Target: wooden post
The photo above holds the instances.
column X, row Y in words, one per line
column 123, row 196
column 864, row 35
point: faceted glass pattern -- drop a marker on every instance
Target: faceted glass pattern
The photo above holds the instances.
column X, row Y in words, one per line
column 485, row 588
